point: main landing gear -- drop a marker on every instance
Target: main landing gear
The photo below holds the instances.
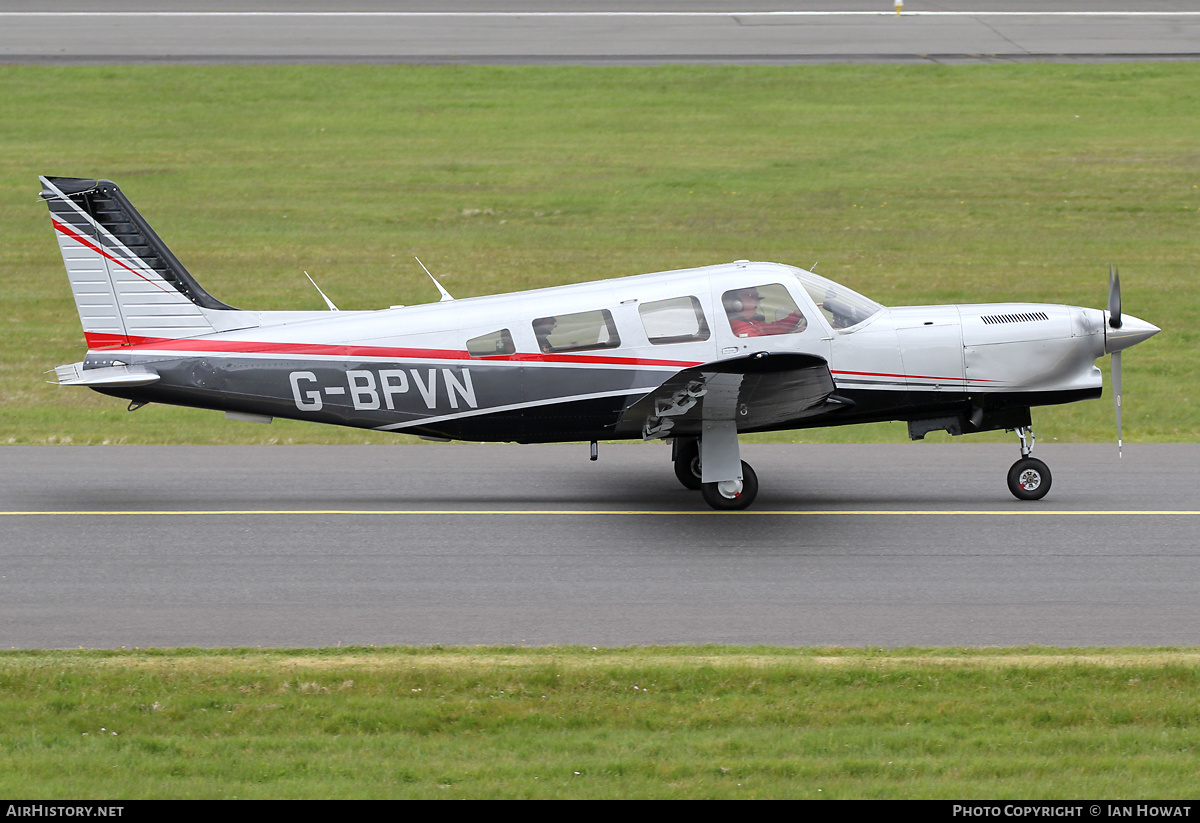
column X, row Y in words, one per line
column 729, row 495
column 732, row 495
column 685, row 452
column 1029, row 478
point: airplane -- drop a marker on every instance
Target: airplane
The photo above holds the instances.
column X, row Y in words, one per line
column 696, row 356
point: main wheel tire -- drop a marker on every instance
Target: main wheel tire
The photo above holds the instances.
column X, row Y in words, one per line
column 742, row 500
column 1029, row 479
column 687, row 464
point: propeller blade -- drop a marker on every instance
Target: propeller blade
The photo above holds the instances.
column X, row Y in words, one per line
column 1116, row 381
column 1114, row 320
column 1116, row 339
column 1114, row 297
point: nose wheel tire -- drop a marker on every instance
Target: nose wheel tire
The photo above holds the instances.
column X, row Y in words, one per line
column 721, row 496
column 1029, row 479
column 687, row 465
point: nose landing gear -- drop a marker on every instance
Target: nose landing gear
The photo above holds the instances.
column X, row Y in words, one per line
column 1029, row 478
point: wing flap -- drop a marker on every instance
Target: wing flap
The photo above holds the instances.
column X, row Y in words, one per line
column 756, row 391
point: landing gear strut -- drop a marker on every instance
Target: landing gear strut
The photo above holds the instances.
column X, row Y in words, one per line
column 730, row 494
column 1029, row 478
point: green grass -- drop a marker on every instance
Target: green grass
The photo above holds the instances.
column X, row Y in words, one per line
column 913, row 184
column 656, row 722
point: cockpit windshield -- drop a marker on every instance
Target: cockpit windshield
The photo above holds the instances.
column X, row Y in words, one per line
column 841, row 306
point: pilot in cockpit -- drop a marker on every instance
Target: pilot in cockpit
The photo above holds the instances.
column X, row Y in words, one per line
column 742, row 306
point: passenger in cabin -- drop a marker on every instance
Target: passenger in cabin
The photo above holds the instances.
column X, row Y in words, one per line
column 742, row 306
column 542, row 327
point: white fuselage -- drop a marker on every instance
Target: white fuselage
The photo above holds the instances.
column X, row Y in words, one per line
column 357, row 367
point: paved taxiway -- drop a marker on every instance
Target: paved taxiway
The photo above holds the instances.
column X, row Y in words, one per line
column 463, row 544
column 594, row 31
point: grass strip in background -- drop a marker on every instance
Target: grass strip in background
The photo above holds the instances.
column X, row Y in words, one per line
column 574, row 722
column 913, row 184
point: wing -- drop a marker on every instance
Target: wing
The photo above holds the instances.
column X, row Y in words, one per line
column 757, row 391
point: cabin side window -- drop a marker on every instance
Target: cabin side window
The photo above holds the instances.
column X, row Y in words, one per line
column 582, row 331
column 763, row 310
column 677, row 320
column 492, row 344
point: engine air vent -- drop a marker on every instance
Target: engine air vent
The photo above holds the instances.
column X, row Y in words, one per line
column 1022, row 317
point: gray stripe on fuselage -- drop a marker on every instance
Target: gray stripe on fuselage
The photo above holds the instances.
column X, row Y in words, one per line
column 359, row 392
column 514, row 407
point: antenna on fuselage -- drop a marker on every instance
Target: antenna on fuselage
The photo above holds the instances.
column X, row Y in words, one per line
column 328, row 302
column 445, row 294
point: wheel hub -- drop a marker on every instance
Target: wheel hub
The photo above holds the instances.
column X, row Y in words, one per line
column 730, row 488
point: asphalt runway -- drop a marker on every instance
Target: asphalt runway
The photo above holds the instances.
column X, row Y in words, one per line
column 594, row 31
column 889, row 545
column 918, row 544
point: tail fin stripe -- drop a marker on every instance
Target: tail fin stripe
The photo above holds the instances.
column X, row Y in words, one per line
column 128, row 286
column 100, row 209
column 85, row 222
column 79, row 238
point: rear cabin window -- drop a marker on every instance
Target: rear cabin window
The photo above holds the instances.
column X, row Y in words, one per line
column 582, row 331
column 760, row 311
column 678, row 320
column 490, row 345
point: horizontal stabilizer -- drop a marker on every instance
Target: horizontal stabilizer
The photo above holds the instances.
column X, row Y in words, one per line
column 74, row 374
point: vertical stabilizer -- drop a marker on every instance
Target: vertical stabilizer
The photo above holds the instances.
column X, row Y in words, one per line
column 128, row 286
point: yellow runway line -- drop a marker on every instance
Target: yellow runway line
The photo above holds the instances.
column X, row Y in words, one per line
column 609, row 512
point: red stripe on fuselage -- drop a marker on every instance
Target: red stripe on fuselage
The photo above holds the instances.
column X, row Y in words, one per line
column 913, row 376
column 150, row 345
